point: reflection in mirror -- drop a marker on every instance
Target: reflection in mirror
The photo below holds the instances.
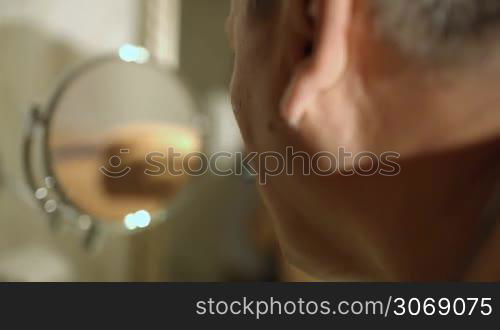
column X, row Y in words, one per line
column 119, row 135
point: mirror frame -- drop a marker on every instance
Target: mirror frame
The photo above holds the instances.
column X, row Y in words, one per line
column 42, row 117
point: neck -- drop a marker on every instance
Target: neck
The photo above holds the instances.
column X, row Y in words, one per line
column 484, row 266
column 426, row 223
column 443, row 224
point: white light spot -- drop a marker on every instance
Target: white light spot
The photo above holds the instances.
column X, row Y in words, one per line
column 50, row 206
column 140, row 219
column 129, row 222
column 134, row 54
column 85, row 222
column 143, row 219
column 41, row 193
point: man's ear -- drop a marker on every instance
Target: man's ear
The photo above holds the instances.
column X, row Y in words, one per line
column 326, row 62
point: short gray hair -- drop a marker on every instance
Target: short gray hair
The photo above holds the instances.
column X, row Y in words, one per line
column 440, row 29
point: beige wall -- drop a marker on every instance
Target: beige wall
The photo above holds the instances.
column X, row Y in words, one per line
column 203, row 32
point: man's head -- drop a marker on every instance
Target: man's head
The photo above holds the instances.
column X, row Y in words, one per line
column 445, row 30
column 413, row 77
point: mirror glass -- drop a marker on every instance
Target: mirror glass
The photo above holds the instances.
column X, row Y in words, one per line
column 118, row 139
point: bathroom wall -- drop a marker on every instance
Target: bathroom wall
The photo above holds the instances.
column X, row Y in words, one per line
column 39, row 41
column 42, row 39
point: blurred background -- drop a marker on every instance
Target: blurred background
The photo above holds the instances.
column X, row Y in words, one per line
column 219, row 232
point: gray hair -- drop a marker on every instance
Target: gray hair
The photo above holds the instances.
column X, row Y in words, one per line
column 440, row 29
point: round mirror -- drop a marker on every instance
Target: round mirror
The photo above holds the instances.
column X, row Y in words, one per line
column 118, row 137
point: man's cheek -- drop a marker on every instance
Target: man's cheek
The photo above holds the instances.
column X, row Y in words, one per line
column 240, row 102
column 246, row 131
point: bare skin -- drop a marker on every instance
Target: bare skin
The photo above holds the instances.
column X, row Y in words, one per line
column 312, row 74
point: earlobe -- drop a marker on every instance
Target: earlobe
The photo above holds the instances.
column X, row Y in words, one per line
column 324, row 65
